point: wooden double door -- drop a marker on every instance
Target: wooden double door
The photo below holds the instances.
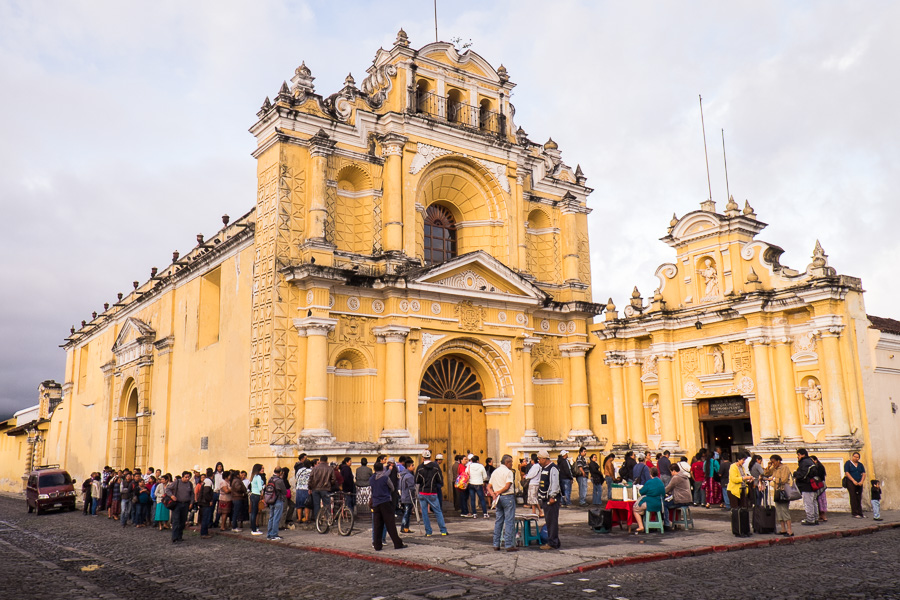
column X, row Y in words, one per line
column 451, row 427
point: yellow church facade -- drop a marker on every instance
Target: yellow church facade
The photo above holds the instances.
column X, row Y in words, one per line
column 737, row 351
column 415, row 273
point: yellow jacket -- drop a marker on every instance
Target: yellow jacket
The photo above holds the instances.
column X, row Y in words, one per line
column 735, row 479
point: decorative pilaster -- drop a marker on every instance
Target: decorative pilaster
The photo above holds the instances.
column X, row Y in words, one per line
column 320, row 147
column 615, row 361
column 394, row 339
column 784, row 376
column 578, row 405
column 392, row 149
column 767, row 429
column 570, row 243
column 530, row 434
column 637, row 429
column 667, row 401
column 836, row 418
column 315, row 403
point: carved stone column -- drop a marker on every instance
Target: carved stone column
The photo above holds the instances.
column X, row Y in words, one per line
column 392, row 228
column 637, row 429
column 784, row 378
column 315, row 404
column 578, row 403
column 615, row 361
column 836, row 417
column 320, row 147
column 570, row 243
column 767, row 429
column 530, row 435
column 394, row 338
column 667, row 401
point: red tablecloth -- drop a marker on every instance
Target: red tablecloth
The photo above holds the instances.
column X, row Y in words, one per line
column 622, row 511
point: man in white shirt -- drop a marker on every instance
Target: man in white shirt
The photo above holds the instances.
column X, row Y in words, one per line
column 477, row 478
column 502, row 489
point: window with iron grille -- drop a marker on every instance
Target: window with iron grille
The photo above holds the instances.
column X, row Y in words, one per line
column 440, row 235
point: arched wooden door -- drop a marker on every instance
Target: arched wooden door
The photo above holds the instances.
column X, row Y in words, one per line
column 452, row 421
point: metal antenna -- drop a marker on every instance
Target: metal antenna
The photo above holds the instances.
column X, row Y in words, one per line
column 725, row 158
column 435, row 21
column 705, row 155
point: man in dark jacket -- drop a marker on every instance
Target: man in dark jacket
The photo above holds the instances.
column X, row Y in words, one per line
column 665, row 467
column 205, row 502
column 806, row 470
column 430, row 480
column 348, row 486
column 626, row 471
column 320, row 481
column 724, row 468
column 182, row 491
column 565, row 477
column 127, row 496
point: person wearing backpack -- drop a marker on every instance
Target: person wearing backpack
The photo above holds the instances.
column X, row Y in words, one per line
column 581, row 475
column 257, row 483
column 274, row 495
column 803, row 477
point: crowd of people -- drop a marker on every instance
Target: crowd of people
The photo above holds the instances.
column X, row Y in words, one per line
column 392, row 490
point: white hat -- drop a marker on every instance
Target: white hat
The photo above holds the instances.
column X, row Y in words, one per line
column 563, row 452
column 197, row 468
column 427, row 454
column 543, row 454
column 470, row 456
column 439, row 457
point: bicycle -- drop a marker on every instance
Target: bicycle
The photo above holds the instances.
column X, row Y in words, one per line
column 337, row 512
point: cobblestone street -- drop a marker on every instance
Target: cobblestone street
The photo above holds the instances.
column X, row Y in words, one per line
column 70, row 556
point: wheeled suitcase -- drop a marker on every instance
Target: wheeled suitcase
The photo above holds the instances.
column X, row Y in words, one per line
column 764, row 515
column 740, row 522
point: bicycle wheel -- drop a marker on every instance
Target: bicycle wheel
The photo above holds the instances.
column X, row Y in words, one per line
column 322, row 524
column 345, row 521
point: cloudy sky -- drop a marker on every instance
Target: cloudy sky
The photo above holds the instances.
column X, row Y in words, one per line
column 123, row 130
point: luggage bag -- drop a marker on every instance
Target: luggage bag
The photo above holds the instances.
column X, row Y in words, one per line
column 764, row 515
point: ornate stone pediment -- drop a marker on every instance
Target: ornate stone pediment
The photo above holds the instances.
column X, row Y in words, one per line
column 477, row 273
column 135, row 340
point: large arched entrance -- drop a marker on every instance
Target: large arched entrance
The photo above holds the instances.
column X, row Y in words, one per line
column 129, row 429
column 452, row 421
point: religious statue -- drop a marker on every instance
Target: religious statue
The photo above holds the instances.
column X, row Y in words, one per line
column 654, row 414
column 718, row 360
column 815, row 411
column 712, row 280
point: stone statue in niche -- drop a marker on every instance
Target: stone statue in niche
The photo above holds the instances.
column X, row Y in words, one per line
column 654, row 414
column 815, row 410
column 718, row 357
column 711, row 278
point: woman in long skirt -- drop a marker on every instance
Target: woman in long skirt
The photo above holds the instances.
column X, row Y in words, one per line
column 711, row 486
column 162, row 513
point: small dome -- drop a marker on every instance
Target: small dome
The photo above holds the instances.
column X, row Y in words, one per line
column 551, row 145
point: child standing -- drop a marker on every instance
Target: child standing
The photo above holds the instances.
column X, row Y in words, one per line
column 876, row 499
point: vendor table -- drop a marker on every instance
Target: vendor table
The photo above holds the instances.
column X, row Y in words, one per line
column 618, row 507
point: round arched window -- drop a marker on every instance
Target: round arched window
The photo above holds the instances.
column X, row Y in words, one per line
column 440, row 235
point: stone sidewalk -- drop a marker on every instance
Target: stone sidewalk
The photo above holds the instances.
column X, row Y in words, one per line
column 467, row 550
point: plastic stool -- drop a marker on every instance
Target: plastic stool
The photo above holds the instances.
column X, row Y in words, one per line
column 524, row 531
column 651, row 524
column 683, row 517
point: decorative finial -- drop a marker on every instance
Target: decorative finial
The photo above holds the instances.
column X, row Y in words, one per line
column 303, row 80
column 657, row 295
column 502, row 74
column 708, row 205
column 402, row 39
column 732, row 209
column 175, row 256
column 580, row 179
column 674, row 221
column 748, row 210
column 521, row 136
column 752, row 277
column 820, row 259
column 136, row 284
column 266, row 105
column 551, row 145
column 635, row 293
column 610, row 306
column 348, row 80
column 225, row 219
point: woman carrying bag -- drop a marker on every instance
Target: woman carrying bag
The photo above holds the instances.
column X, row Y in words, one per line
column 780, row 476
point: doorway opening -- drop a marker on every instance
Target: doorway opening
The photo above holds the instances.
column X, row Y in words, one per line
column 452, row 421
column 725, row 423
column 129, row 439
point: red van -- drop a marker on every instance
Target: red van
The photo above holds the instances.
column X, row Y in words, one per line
column 49, row 488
